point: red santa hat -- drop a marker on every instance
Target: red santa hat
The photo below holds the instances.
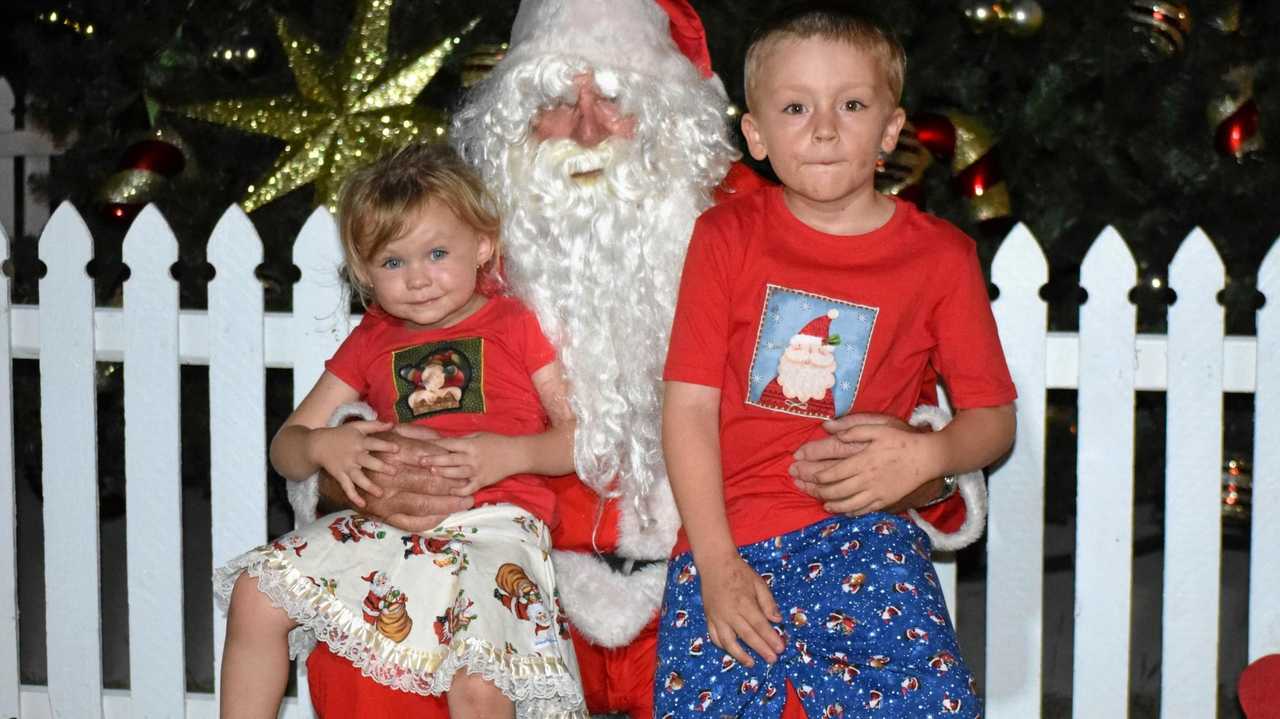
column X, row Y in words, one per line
column 632, row 35
column 818, row 330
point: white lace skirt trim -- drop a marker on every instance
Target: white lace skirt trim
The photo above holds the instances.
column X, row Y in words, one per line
column 541, row 684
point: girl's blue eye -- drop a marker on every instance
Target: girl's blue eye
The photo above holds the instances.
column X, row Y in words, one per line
column 439, row 253
column 793, row 108
column 392, row 263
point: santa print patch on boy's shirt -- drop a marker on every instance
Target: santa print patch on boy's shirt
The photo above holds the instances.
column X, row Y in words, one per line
column 809, row 354
column 439, row 377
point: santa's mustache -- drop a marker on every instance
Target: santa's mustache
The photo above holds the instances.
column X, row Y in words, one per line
column 565, row 173
column 572, row 159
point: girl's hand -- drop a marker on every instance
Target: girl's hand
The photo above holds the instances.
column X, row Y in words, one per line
column 482, row 459
column 346, row 451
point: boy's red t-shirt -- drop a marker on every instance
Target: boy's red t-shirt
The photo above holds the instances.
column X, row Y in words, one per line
column 896, row 307
column 487, row 360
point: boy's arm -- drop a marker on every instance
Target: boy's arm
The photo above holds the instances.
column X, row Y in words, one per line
column 486, row 458
column 976, row 438
column 738, row 603
column 895, row 462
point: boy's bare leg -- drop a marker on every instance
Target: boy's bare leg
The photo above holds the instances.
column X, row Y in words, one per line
column 255, row 660
column 473, row 697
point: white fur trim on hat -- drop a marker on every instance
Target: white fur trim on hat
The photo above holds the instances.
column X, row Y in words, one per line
column 304, row 495
column 630, row 35
column 972, row 488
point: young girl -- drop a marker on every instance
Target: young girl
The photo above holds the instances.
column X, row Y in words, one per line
column 469, row 608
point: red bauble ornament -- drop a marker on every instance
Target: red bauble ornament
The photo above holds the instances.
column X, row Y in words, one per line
column 969, row 145
column 1235, row 116
column 147, row 166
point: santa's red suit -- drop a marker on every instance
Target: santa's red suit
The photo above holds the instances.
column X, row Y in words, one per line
column 610, row 554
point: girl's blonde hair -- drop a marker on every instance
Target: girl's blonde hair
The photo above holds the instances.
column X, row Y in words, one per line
column 379, row 199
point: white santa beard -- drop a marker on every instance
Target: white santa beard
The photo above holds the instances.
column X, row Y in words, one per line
column 803, row 381
column 611, row 325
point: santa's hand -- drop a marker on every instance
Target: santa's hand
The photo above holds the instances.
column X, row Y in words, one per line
column 481, row 459
column 413, row 498
column 821, row 454
column 739, row 605
column 413, row 443
column 893, row 461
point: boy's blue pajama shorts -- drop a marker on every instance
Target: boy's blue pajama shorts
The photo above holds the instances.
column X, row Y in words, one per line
column 866, row 629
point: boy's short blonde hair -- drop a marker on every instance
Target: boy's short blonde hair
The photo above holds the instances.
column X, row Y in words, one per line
column 379, row 200
column 827, row 21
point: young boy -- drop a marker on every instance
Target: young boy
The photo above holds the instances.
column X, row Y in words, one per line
column 799, row 304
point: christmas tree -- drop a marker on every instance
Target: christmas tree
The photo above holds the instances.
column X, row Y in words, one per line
column 1099, row 113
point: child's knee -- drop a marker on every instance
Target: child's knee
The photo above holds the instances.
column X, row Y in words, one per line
column 474, row 691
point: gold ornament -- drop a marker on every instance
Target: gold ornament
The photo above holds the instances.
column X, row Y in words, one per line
column 344, row 115
column 1164, row 24
column 149, row 164
column 978, row 176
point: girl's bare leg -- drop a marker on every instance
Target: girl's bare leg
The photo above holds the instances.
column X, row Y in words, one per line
column 473, row 697
column 255, row 659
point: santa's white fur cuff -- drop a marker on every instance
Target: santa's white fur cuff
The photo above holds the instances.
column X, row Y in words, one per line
column 972, row 488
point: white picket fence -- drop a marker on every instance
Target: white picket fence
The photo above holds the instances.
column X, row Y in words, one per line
column 34, row 149
column 1105, row 361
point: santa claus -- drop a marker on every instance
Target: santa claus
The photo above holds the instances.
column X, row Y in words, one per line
column 605, row 134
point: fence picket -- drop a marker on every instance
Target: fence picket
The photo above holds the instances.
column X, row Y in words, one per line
column 1193, row 476
column 8, row 205
column 9, row 676
column 1264, row 560
column 237, row 400
column 1015, row 556
column 70, row 468
column 1104, row 479
column 319, row 310
column 153, row 461
column 321, row 322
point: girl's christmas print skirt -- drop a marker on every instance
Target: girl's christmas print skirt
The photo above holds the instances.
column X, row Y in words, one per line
column 411, row 609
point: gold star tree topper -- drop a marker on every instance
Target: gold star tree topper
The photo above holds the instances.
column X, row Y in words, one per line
column 344, row 115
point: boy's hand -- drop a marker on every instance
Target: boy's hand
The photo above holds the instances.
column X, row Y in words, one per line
column 739, row 605
column 890, row 460
column 481, row 459
column 346, row 451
